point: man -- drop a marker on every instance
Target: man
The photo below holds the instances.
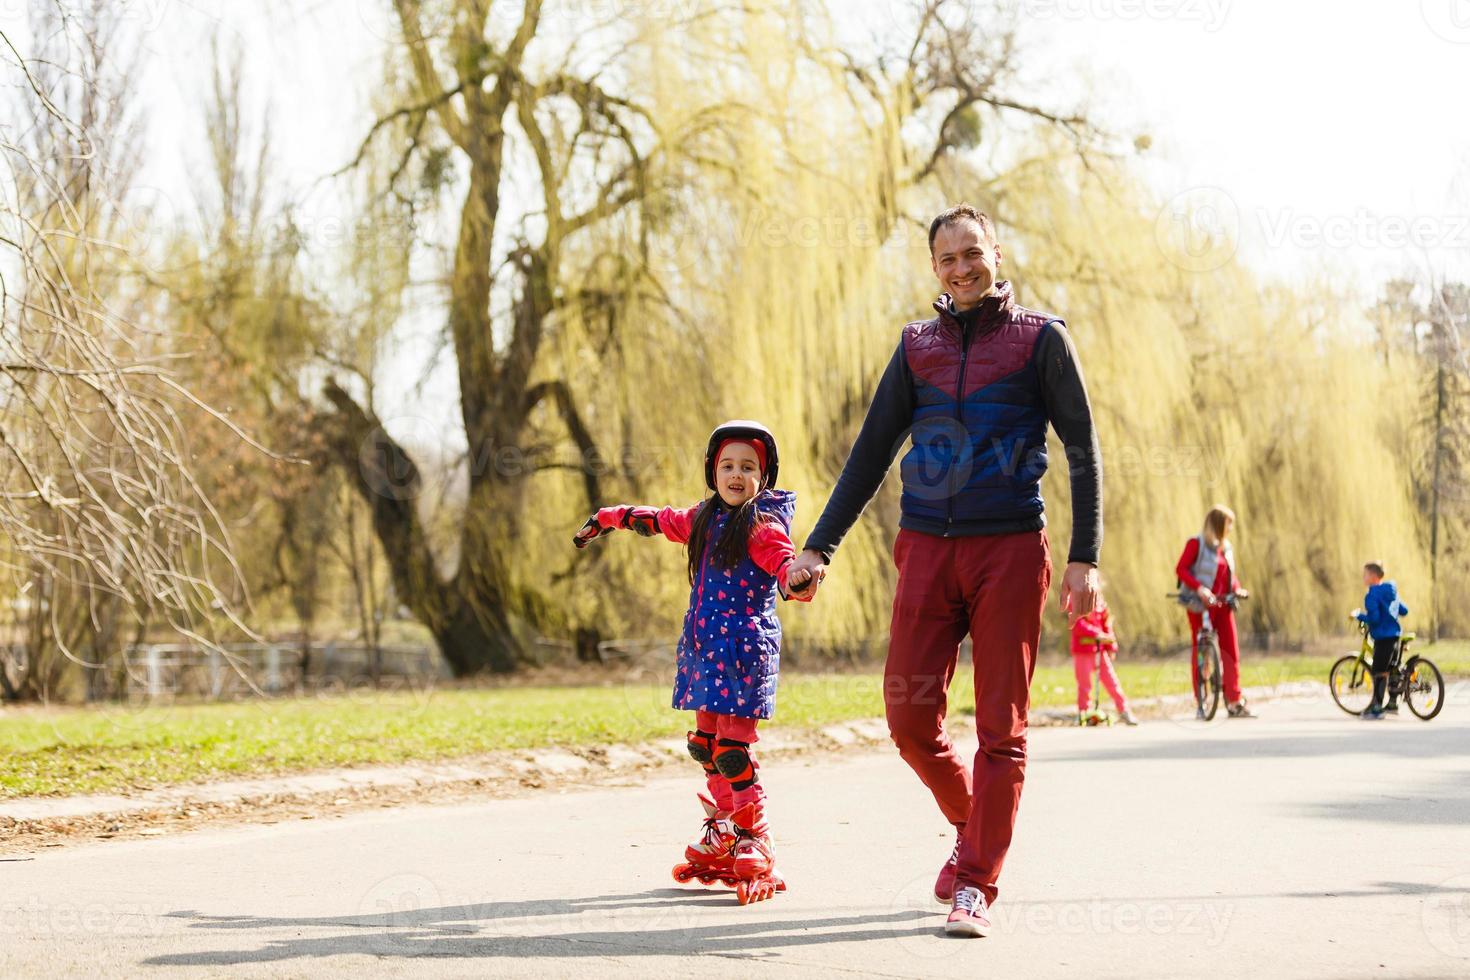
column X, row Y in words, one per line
column 974, row 389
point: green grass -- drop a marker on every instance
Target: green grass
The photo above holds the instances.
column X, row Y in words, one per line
column 79, row 750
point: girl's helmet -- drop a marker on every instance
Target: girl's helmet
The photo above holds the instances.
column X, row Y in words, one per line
column 742, row 429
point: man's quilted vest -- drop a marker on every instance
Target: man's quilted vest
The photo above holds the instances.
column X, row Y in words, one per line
column 979, row 436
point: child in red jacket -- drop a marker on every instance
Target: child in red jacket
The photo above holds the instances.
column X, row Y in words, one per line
column 1093, row 645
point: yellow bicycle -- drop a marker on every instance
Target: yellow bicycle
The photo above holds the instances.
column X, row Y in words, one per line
column 1415, row 679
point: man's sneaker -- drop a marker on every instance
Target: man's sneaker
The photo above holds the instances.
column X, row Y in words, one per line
column 1371, row 713
column 944, row 884
column 1392, row 708
column 1129, row 718
column 969, row 917
column 1199, row 714
column 1239, row 710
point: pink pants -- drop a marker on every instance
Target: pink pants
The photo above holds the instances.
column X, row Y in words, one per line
column 1083, row 666
column 1222, row 618
column 726, row 797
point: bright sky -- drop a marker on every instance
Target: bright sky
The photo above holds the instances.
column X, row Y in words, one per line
column 1331, row 134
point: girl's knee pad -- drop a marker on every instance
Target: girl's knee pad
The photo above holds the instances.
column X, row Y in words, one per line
column 702, row 749
column 733, row 760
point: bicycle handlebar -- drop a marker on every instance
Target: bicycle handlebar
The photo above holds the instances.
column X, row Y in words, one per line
column 1186, row 596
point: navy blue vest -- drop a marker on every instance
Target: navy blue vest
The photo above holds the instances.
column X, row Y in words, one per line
column 979, row 435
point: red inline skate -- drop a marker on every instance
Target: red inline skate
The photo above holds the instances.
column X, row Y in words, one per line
column 754, row 856
column 711, row 858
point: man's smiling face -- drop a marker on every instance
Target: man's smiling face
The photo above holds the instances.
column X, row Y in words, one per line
column 965, row 261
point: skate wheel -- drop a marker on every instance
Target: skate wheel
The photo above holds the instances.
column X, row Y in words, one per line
column 758, row 890
column 683, row 873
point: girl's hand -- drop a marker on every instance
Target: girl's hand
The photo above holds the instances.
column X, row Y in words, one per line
column 1205, row 595
column 590, row 532
column 798, row 581
column 809, row 568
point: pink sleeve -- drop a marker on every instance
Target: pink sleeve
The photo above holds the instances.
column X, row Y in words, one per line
column 676, row 523
column 1087, row 626
column 673, row 522
column 771, row 549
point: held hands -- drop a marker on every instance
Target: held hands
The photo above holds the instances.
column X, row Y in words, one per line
column 804, row 575
column 1079, row 590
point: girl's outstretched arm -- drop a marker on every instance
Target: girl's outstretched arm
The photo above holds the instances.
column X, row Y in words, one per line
column 772, row 551
column 673, row 523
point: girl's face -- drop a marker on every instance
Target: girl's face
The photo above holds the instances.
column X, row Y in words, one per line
column 737, row 474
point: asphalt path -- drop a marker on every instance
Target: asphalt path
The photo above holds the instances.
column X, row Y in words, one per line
column 1301, row 844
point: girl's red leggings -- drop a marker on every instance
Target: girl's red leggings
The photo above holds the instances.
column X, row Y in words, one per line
column 741, row 730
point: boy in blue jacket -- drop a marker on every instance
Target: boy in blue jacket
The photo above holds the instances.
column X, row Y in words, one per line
column 1381, row 611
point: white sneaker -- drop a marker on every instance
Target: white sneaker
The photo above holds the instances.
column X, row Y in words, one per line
column 970, row 917
column 1129, row 718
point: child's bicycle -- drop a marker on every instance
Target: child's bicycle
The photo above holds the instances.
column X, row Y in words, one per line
column 1206, row 653
column 1098, row 715
column 1415, row 679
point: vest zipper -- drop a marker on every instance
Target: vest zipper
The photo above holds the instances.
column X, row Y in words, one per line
column 959, row 390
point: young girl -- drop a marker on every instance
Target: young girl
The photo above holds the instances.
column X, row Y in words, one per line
column 1094, row 643
column 1206, row 567
column 729, row 653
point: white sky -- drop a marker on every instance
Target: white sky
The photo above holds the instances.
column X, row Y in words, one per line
column 1332, row 134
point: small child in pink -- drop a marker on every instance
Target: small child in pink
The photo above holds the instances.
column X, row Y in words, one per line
column 1090, row 634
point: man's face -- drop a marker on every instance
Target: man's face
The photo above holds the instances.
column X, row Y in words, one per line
column 738, row 473
column 965, row 262
column 1370, row 579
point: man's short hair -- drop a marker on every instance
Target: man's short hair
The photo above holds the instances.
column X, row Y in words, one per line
column 958, row 213
column 1376, row 567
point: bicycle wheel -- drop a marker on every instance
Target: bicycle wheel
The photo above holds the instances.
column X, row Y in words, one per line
column 1351, row 682
column 1207, row 682
column 1423, row 688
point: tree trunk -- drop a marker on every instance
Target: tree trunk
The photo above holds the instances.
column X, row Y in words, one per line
column 474, row 644
column 467, row 615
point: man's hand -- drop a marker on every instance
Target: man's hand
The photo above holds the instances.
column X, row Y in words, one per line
column 804, row 575
column 1079, row 590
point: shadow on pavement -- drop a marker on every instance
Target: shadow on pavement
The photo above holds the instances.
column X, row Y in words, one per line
column 1444, row 802
column 492, row 930
column 1387, row 738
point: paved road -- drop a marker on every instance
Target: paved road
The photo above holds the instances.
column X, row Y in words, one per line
column 1304, row 844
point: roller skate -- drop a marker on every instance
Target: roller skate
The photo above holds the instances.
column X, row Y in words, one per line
column 755, row 856
column 712, row 857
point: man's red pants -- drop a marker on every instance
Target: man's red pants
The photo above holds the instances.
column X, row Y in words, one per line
column 993, row 588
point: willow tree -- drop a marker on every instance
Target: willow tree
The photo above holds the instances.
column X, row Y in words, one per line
column 597, row 170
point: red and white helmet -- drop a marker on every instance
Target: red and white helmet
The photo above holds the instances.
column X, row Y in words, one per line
column 742, row 429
